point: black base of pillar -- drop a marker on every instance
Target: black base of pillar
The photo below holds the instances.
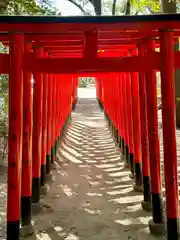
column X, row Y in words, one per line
column 43, row 172
column 101, row 106
column 74, row 105
column 147, row 190
column 138, row 175
column 123, row 147
column 127, row 154
column 120, row 141
column 61, row 134
column 13, row 230
column 48, row 164
column 35, row 190
column 116, row 136
column 113, row 131
column 26, row 211
column 173, row 229
column 157, row 208
column 52, row 155
column 109, row 122
column 131, row 161
column 56, row 147
column 105, row 114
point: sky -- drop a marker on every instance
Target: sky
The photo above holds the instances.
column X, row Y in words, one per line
column 66, row 8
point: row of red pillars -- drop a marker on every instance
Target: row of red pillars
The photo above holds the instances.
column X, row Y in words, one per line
column 129, row 100
column 39, row 111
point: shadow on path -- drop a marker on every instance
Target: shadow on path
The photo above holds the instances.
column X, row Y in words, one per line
column 91, row 196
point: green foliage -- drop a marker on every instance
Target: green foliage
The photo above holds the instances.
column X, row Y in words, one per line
column 86, row 81
column 3, row 108
column 152, row 5
column 29, row 7
column 136, row 6
column 16, row 7
column 120, row 7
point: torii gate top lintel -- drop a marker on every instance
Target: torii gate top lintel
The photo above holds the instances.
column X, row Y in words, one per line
column 54, row 24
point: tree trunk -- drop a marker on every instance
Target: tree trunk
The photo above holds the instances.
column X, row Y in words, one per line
column 128, row 8
column 168, row 6
column 97, row 6
column 3, row 5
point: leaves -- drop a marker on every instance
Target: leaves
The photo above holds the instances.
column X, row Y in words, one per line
column 16, row 7
column 29, row 7
column 152, row 5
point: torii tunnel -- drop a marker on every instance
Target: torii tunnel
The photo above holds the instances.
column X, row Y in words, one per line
column 121, row 53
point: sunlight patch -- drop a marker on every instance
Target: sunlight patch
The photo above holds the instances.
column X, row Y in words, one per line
column 93, row 212
column 70, row 150
column 91, row 161
column 68, row 191
column 119, row 174
column 122, row 191
column 109, row 182
column 43, row 236
column 94, row 194
column 72, row 237
column 134, row 221
column 58, row 229
column 93, row 183
column 127, row 200
column 70, row 157
column 113, row 169
column 103, row 166
column 122, row 186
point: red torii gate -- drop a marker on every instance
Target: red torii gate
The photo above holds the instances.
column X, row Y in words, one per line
column 72, row 47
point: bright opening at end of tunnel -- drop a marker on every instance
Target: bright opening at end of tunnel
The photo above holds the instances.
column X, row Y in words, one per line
column 87, row 87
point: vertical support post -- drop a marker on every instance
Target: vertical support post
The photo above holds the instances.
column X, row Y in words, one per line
column 136, row 131
column 73, row 94
column 130, row 124
column 53, row 131
column 56, row 118
column 26, row 183
column 37, row 131
column 61, row 109
column 156, row 225
column 117, row 108
column 112, row 102
column 57, row 112
column 146, row 203
column 44, row 129
column 125, row 106
column 15, row 136
column 122, row 113
column 124, row 139
column 49, row 122
column 119, row 111
column 169, row 134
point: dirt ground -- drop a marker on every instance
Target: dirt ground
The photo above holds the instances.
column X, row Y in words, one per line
column 91, row 195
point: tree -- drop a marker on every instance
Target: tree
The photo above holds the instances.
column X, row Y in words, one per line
column 15, row 7
column 97, row 5
column 26, row 7
column 125, row 7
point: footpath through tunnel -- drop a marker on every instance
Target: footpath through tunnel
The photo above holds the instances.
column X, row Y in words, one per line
column 91, row 195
